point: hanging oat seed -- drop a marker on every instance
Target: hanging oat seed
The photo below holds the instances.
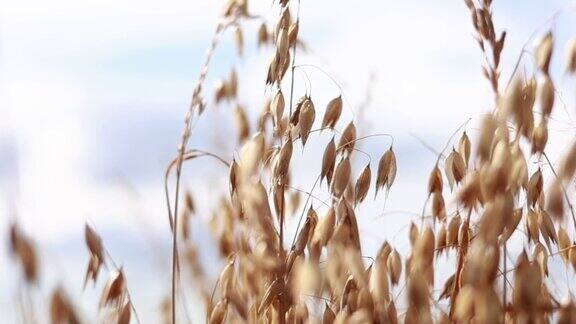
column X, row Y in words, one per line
column 332, row 113
column 306, row 119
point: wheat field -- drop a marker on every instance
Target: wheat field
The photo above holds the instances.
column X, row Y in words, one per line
column 291, row 215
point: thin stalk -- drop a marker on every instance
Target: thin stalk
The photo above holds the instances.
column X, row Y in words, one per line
column 175, row 241
column 365, row 137
column 304, row 210
column 196, row 106
column 281, row 220
column 290, row 111
column 178, row 162
column 294, row 61
column 504, row 280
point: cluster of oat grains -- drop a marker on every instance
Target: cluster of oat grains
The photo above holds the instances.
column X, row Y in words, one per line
column 320, row 274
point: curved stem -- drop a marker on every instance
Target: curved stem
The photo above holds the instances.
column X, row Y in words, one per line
column 451, row 138
column 505, row 279
column 290, row 111
column 309, row 193
column 189, row 155
column 175, row 241
column 333, row 80
column 301, row 66
column 365, row 137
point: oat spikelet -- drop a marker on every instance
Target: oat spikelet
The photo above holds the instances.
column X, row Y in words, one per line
column 458, row 167
column 452, row 232
column 124, row 314
column 306, row 119
column 114, row 289
column 378, row 281
column 555, row 200
column 464, row 148
column 323, row 232
column 233, row 177
column 341, row 177
column 332, row 113
column 511, row 225
column 563, row 243
column 271, row 292
column 448, row 288
column 395, row 265
column 232, row 84
column 23, row 249
column 362, row 185
column 532, row 226
column 435, row 182
column 568, row 165
column 296, row 112
column 525, row 118
column 547, row 227
column 544, row 52
column 282, row 43
column 94, row 243
column 438, row 206
column 348, row 139
column 534, row 189
column 441, row 238
column 329, row 316
column 263, row 36
column 220, row 91
column 277, row 107
column 455, row 168
column 512, row 100
column 293, row 34
column 219, row 312
column 250, row 157
column 328, row 161
column 242, row 125
column 239, row 40
column 283, row 160
column 546, row 95
column 488, row 129
column 61, row 309
column 540, row 137
column 386, row 171
column 571, row 56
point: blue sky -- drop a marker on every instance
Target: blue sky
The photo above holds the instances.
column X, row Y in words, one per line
column 93, row 94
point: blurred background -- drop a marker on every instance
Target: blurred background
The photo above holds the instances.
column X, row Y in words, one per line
column 93, row 96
